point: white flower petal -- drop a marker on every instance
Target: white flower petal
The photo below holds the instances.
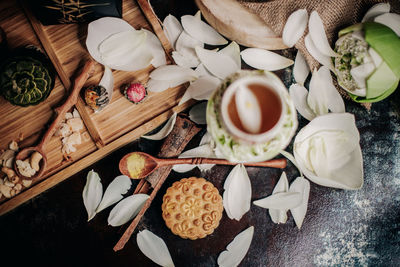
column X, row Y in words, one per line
column 279, row 216
column 202, row 71
column 198, row 113
column 153, row 44
column 198, row 15
column 295, row 27
column 172, row 29
column 301, row 186
column 202, row 151
column 181, row 168
column 360, row 75
column 154, row 248
column 172, row 72
column 159, row 86
column 218, row 64
column 318, row 35
column 237, row 249
column 281, row 201
column 107, row 81
column 300, row 69
column 202, row 31
column 201, row 89
column 238, row 192
column 119, row 186
column 185, row 45
column 188, row 61
column 316, row 54
column 376, row 10
column 164, row 132
column 233, row 50
column 376, row 58
column 127, row 209
column 299, row 95
column 390, row 20
column 92, row 193
column 316, row 98
column 248, row 109
column 264, row 60
column 334, row 100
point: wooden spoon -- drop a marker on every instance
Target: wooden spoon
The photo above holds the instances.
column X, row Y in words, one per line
column 61, row 110
column 137, row 165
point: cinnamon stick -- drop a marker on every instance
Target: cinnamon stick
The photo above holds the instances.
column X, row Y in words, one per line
column 183, row 131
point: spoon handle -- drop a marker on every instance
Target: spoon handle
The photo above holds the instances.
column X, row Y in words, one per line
column 71, row 101
column 274, row 163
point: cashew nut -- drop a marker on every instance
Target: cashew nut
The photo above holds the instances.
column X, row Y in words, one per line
column 8, row 183
column 5, row 190
column 24, row 168
column 10, row 173
column 18, row 187
column 35, row 159
column 13, row 145
column 14, row 179
column 26, row 183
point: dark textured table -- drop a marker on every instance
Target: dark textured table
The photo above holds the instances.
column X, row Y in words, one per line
column 341, row 228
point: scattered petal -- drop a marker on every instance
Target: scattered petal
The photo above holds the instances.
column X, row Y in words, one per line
column 300, row 69
column 153, row 44
column 265, row 60
column 107, row 81
column 334, row 100
column 280, row 201
column 172, row 29
column 154, row 248
column 237, row 249
column 202, row 151
column 316, row 54
column 202, row 71
column 185, row 45
column 198, row 113
column 172, row 72
column 127, row 209
column 295, row 27
column 119, row 186
column 327, row 151
column 280, row 216
column 301, row 186
column 299, row 95
column 202, row 31
column 201, row 89
column 248, row 106
column 390, row 20
column 376, row 10
column 318, row 35
column 237, row 195
column 156, row 86
column 233, row 50
column 217, row 63
column 185, row 61
column 164, row 132
column 92, row 193
column 316, row 98
column 198, row 15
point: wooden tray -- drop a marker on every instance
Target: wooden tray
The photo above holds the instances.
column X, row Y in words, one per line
column 118, row 124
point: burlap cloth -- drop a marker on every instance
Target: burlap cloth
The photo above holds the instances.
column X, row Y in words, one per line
column 335, row 14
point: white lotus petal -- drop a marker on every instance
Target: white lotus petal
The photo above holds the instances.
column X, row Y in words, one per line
column 127, row 209
column 295, row 27
column 198, row 113
column 119, row 186
column 202, row 31
column 159, row 86
column 164, row 132
column 201, row 89
column 291, row 158
column 301, row 186
column 238, row 192
column 391, row 20
column 361, row 73
column 202, row 71
column 185, row 45
column 185, row 61
column 181, row 168
column 206, row 139
column 282, row 201
column 202, row 151
column 233, row 50
column 334, row 100
column 218, row 64
column 92, row 193
column 153, row 44
column 237, row 249
column 376, row 10
column 154, row 248
column 341, row 150
column 248, row 109
column 172, row 29
column 318, row 35
column 279, row 216
column 316, row 54
column 107, row 81
column 300, row 69
column 376, row 58
column 299, row 95
column 264, row 60
column 198, row 15
column 99, row 30
column 143, row 58
column 316, row 98
column 172, row 72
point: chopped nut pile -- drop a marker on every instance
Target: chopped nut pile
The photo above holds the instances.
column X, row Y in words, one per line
column 70, row 131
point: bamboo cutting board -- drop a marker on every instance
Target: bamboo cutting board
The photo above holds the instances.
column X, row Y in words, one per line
column 118, row 124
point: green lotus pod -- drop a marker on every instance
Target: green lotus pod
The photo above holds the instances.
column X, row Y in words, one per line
column 353, row 45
